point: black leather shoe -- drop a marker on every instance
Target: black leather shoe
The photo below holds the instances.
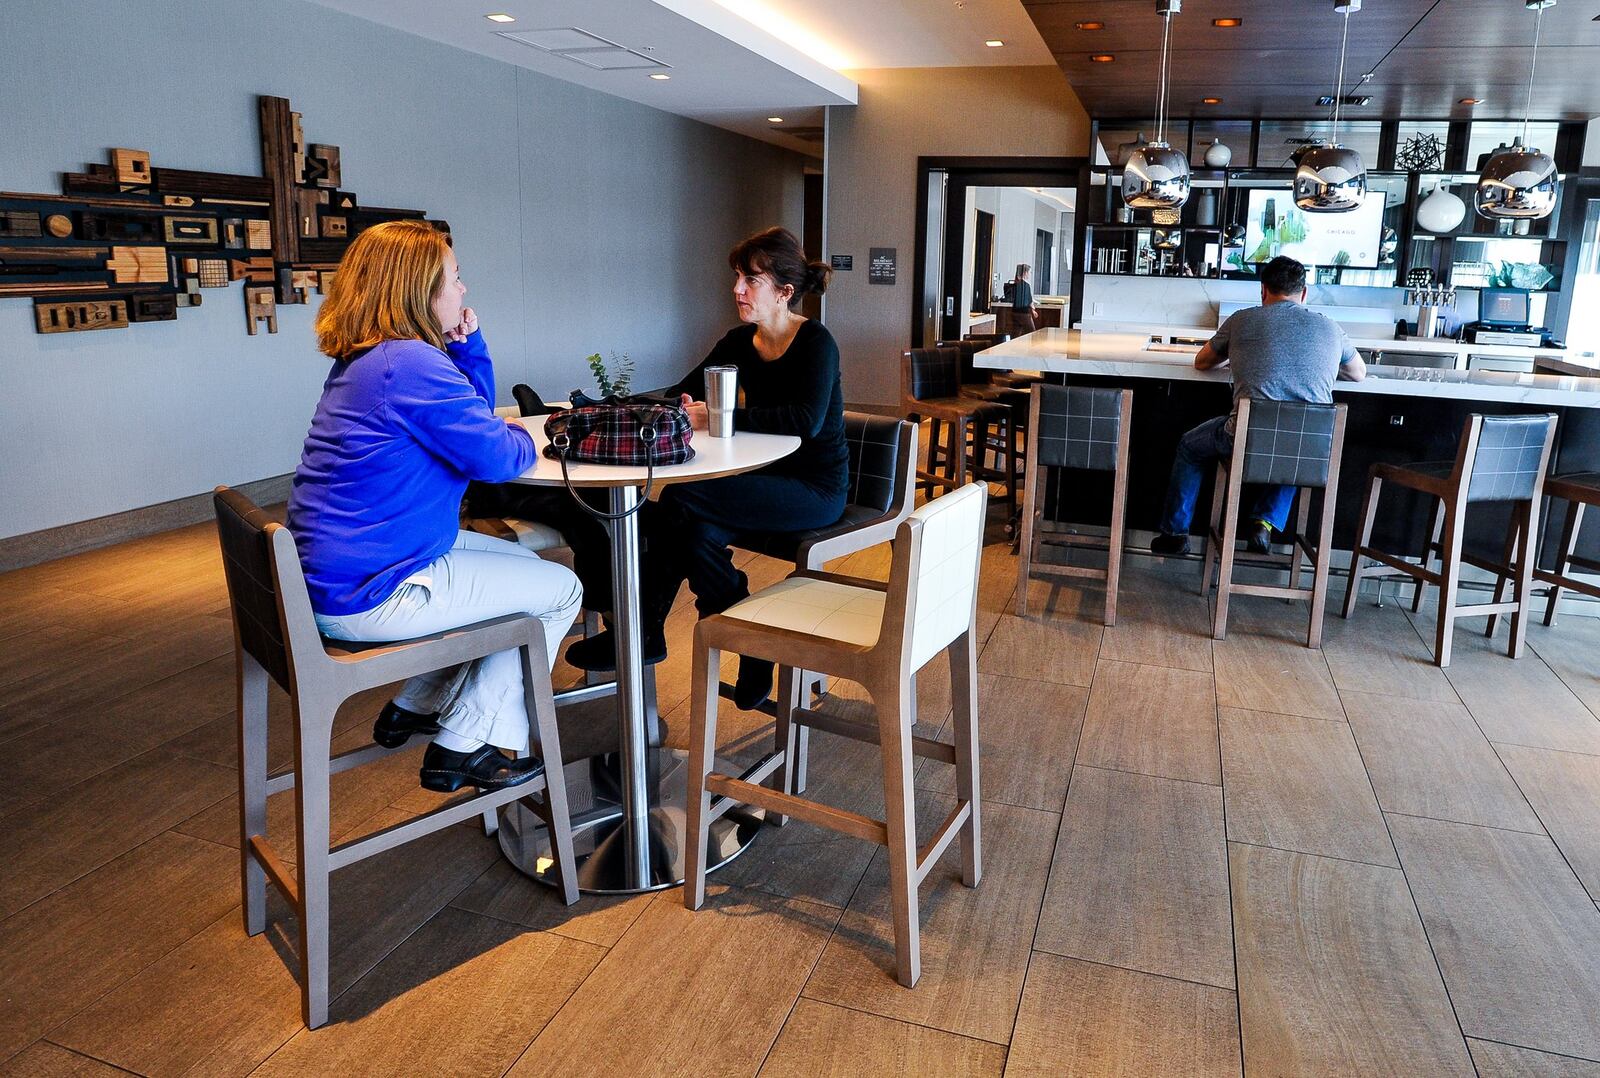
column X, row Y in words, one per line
column 1169, row 545
column 487, row 768
column 396, row 725
column 598, row 654
column 1260, row 539
column 754, row 684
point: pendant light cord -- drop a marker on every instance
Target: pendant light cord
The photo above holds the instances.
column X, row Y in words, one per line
column 1162, row 80
column 1533, row 65
column 1338, row 87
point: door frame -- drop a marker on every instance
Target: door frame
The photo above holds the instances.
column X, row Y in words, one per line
column 964, row 172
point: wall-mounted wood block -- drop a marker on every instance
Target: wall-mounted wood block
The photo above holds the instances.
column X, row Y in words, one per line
column 213, row 273
column 303, row 281
column 196, row 230
column 17, row 256
column 259, row 306
column 126, row 227
column 153, row 307
column 335, row 228
column 324, row 281
column 233, row 233
column 187, row 299
column 138, row 265
column 80, row 315
column 213, row 186
column 327, row 251
column 177, row 201
column 297, row 139
column 254, row 270
column 322, row 165
column 58, row 225
column 277, row 166
column 307, row 204
column 344, row 200
column 132, row 168
column 259, row 235
column 19, row 223
column 190, row 266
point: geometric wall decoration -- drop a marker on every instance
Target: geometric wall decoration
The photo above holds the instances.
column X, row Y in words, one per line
column 129, row 241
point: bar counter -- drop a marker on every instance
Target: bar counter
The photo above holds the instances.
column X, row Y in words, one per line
column 1397, row 414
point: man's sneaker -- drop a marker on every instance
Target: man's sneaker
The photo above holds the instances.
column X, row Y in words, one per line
column 1261, row 538
column 1169, row 545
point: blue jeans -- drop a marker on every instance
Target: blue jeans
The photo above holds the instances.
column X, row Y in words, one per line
column 1198, row 450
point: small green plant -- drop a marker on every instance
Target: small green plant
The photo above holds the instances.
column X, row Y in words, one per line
column 612, row 382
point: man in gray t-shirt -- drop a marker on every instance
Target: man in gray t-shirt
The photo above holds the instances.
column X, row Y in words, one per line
column 1280, row 350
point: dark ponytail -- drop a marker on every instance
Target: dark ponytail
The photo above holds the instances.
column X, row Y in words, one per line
column 777, row 253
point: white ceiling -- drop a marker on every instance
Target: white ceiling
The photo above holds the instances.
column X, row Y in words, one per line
column 733, row 63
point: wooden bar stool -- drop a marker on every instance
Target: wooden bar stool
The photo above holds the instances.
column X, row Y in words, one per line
column 1286, row 444
column 1579, row 490
column 276, row 639
column 1075, row 427
column 877, row 635
column 1499, row 459
column 930, row 387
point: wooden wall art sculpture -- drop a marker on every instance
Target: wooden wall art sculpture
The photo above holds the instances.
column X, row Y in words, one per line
column 128, row 242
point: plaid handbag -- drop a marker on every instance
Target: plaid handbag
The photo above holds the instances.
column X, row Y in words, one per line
column 631, row 431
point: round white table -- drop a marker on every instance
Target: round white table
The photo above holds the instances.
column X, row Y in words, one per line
column 638, row 846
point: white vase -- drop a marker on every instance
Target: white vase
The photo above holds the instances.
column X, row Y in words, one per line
column 1441, row 211
column 1218, row 155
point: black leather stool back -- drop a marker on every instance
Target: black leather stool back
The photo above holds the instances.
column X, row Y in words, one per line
column 1288, row 443
column 934, row 373
column 1511, row 451
column 1079, row 427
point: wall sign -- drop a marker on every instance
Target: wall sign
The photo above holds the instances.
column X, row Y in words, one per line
column 844, row 263
column 127, row 242
column 881, row 265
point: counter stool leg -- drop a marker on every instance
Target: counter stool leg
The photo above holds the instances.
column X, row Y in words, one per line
column 1302, row 521
column 1213, row 530
column 1450, row 570
column 702, row 749
column 252, row 788
column 311, row 810
column 894, row 725
column 785, row 738
column 1319, row 567
column 959, row 429
column 1435, row 530
column 1569, row 543
column 1230, row 539
column 1527, row 528
column 1119, row 515
column 1369, row 511
column 1508, row 559
column 963, row 659
column 1011, row 468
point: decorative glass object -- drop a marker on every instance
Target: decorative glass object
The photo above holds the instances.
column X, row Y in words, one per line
column 1218, row 155
column 1441, row 211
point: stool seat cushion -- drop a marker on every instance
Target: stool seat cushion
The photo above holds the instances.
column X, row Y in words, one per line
column 959, row 408
column 821, row 608
column 1432, row 476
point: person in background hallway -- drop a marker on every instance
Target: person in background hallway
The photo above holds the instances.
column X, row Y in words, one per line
column 1280, row 350
column 1024, row 317
column 405, row 420
column 789, row 381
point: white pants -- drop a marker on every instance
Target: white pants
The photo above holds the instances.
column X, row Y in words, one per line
column 477, row 579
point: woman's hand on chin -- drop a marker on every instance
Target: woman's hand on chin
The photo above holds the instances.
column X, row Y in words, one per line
column 467, row 327
column 699, row 417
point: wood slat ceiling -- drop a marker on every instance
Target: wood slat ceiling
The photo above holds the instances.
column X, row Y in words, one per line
column 1426, row 54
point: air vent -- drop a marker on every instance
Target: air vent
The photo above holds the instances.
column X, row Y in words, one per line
column 1326, row 100
column 582, row 47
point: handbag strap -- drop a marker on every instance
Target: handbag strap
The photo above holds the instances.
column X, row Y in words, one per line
column 648, row 435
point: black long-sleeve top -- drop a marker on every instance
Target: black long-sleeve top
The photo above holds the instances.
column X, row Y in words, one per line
column 798, row 393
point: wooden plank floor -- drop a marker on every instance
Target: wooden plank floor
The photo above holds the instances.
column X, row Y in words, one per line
column 1246, row 858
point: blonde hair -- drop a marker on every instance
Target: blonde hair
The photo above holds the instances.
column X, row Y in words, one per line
column 384, row 290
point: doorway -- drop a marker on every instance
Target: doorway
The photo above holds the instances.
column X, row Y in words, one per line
column 1010, row 200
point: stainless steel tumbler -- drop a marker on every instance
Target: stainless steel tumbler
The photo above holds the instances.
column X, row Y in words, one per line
column 722, row 393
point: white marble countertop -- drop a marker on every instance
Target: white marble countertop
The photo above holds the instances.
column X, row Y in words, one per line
column 1442, row 346
column 1132, row 355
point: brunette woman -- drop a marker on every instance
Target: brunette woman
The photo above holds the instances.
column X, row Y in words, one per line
column 789, row 382
column 405, row 420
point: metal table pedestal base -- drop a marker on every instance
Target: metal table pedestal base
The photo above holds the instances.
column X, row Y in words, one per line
column 600, row 839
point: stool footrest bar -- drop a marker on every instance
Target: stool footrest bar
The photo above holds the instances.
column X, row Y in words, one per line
column 276, row 870
column 929, row 855
column 860, row 731
column 850, row 823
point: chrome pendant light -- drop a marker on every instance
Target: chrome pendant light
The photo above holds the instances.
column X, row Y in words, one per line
column 1157, row 176
column 1330, row 178
column 1517, row 181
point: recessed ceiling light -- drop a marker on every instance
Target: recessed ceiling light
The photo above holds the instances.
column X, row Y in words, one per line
column 1471, row 101
column 994, row 43
column 1090, row 25
column 1101, row 58
column 774, row 119
column 1227, row 24
column 500, row 16
column 1211, row 101
column 659, row 77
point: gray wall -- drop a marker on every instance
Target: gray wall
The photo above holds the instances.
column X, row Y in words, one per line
column 583, row 223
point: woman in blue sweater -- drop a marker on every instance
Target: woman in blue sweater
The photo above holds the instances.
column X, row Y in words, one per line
column 405, row 420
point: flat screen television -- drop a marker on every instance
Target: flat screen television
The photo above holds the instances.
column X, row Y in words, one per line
column 1275, row 226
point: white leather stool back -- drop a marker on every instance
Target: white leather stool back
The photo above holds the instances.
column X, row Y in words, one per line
column 944, row 577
